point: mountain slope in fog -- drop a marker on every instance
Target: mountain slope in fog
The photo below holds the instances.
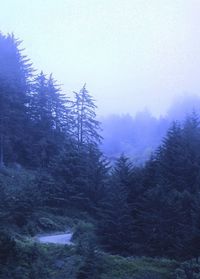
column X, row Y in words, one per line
column 140, row 135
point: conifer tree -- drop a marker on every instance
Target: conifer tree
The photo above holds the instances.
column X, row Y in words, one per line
column 115, row 229
column 81, row 178
column 166, row 208
column 60, row 107
column 171, row 159
column 161, row 223
column 86, row 128
column 15, row 86
column 50, row 118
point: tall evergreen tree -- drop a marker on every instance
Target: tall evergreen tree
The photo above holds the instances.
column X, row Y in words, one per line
column 115, row 228
column 179, row 156
column 15, row 86
column 81, row 178
column 50, row 119
column 170, row 159
column 162, row 222
column 60, row 107
column 168, row 225
column 86, row 128
column 191, row 152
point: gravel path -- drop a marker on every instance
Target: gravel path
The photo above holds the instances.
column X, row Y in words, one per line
column 57, row 239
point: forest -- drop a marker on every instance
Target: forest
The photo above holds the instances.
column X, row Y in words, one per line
column 128, row 220
column 141, row 133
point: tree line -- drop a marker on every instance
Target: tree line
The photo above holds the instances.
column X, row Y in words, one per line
column 154, row 210
column 36, row 117
column 149, row 210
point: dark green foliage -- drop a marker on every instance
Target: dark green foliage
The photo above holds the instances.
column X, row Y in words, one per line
column 161, row 222
column 188, row 270
column 7, row 247
column 34, row 114
column 116, row 220
column 19, row 196
column 85, row 238
column 50, row 122
column 52, row 171
column 137, row 267
column 155, row 210
column 86, row 126
column 15, row 80
column 81, row 176
column 86, row 246
column 167, row 213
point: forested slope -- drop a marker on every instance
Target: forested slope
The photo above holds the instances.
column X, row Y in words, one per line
column 53, row 177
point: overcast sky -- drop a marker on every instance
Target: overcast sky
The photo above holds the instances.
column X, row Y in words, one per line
column 131, row 53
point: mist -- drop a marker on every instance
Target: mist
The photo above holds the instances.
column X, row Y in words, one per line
column 140, row 135
column 132, row 54
column 99, row 139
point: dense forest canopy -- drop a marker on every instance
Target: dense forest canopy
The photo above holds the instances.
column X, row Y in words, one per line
column 50, row 161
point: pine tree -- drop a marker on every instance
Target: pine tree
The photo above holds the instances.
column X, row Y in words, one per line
column 15, row 85
column 50, row 119
column 171, row 159
column 81, row 178
column 179, row 156
column 162, row 222
column 191, row 152
column 59, row 106
column 86, row 126
column 115, row 228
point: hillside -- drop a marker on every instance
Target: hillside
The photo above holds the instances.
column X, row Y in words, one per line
column 128, row 220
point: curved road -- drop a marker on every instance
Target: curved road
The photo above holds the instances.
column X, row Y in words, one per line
column 56, row 238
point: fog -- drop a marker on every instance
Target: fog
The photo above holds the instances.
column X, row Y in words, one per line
column 133, row 54
column 139, row 136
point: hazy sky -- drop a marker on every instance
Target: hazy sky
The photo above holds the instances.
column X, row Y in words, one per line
column 131, row 53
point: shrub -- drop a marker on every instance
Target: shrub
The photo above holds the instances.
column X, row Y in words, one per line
column 188, row 270
column 7, row 246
